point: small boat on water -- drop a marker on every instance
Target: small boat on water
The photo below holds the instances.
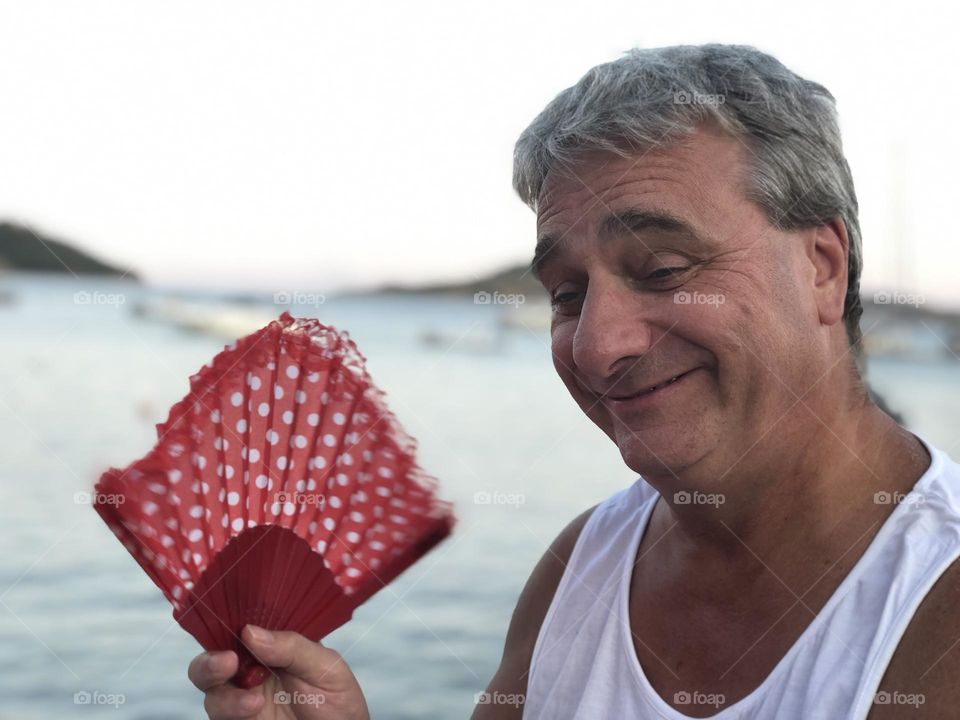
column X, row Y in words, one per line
column 510, row 322
column 224, row 320
column 474, row 341
column 533, row 316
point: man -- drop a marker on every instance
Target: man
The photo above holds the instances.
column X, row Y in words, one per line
column 790, row 550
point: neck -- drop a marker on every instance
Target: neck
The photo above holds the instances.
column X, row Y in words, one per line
column 807, row 480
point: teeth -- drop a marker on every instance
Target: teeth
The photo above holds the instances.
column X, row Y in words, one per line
column 663, row 385
column 657, row 387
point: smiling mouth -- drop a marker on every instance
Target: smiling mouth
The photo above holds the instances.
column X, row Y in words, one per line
column 652, row 388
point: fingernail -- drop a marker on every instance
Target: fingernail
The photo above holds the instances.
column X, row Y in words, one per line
column 260, row 635
column 249, row 702
column 213, row 662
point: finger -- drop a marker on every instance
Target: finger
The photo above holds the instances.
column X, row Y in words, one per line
column 308, row 660
column 226, row 702
column 210, row 669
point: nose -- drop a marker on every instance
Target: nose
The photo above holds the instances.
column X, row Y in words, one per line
column 613, row 331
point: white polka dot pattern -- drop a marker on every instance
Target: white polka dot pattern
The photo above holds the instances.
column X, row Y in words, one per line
column 284, row 427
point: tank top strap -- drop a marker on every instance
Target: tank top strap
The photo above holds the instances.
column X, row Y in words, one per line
column 584, row 665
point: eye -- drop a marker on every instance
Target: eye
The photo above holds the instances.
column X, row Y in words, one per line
column 666, row 273
column 563, row 301
column 563, row 297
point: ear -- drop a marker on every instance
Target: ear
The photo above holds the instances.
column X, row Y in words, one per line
column 827, row 251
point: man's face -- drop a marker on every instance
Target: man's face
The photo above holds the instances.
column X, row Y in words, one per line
column 659, row 268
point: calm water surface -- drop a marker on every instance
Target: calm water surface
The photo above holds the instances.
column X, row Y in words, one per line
column 81, row 387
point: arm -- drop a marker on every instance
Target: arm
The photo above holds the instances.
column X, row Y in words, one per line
column 511, row 676
column 922, row 681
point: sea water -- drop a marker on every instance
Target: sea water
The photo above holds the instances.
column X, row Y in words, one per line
column 83, row 380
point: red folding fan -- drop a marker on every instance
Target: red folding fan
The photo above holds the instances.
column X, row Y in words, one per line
column 281, row 492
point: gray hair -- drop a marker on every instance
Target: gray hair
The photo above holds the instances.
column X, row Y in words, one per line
column 798, row 174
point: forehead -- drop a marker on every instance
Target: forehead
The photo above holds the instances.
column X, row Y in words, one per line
column 695, row 176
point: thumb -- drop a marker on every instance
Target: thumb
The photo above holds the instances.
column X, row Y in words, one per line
column 308, row 660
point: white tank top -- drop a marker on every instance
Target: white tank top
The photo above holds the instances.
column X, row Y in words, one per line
column 584, row 666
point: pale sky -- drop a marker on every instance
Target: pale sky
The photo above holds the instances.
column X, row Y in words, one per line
column 316, row 145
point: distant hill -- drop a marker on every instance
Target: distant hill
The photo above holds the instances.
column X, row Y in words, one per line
column 21, row 250
column 886, row 306
column 894, row 323
column 516, row 279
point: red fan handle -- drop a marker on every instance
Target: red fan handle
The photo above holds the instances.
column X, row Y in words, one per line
column 215, row 613
column 250, row 674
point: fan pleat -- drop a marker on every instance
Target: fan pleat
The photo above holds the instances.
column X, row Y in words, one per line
column 281, row 492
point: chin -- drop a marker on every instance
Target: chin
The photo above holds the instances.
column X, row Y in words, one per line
column 662, row 450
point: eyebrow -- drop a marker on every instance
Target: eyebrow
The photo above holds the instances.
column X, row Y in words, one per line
column 631, row 221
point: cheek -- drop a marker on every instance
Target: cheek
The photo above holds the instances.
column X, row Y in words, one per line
column 756, row 363
column 743, row 337
column 562, row 354
column 561, row 348
column 722, row 334
column 773, row 314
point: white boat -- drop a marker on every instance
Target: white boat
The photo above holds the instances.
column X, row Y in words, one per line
column 474, row 341
column 533, row 316
column 223, row 320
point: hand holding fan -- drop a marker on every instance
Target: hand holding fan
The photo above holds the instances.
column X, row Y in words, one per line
column 281, row 492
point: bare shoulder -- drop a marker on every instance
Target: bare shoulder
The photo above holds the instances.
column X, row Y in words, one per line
column 922, row 680
column 510, row 680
